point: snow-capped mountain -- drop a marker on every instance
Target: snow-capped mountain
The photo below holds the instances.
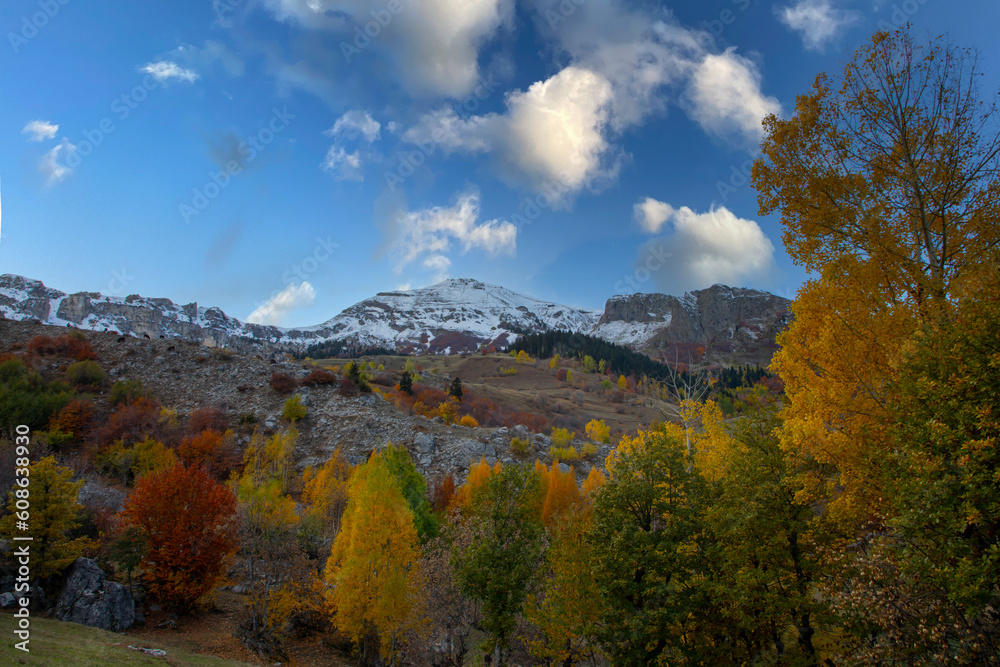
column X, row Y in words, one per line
column 456, row 315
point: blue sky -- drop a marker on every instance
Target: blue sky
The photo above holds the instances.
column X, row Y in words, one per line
column 288, row 158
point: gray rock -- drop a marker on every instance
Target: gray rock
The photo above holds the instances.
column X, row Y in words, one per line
column 424, row 442
column 304, row 397
column 520, row 431
column 88, row 599
column 489, row 451
column 564, row 468
column 7, row 600
column 99, row 497
column 542, row 439
column 239, row 589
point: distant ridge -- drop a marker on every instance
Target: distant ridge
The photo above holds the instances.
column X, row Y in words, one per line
column 455, row 315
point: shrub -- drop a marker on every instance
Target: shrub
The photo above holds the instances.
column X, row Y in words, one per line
column 566, row 454
column 131, row 422
column 211, row 449
column 578, row 397
column 561, row 437
column 74, row 346
column 26, row 398
column 282, row 383
column 607, row 385
column 509, row 371
column 208, row 418
column 588, row 450
column 561, row 374
column 126, row 391
column 448, row 410
column 319, row 376
column 86, row 373
column 468, row 420
column 131, row 463
column 598, row 431
column 520, row 447
column 75, row 419
column 348, row 387
column 247, row 419
column 294, row 410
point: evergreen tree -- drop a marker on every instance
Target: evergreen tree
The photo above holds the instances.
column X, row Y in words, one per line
column 456, row 388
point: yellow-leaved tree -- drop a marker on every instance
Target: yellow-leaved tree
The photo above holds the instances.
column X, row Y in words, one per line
column 887, row 186
column 371, row 564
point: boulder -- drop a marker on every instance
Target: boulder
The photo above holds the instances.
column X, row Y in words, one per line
column 520, row 431
column 424, row 442
column 7, row 600
column 88, row 599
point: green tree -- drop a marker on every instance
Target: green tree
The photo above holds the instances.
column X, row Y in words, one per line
column 936, row 570
column 455, row 389
column 645, row 544
column 414, row 488
column 764, row 543
column 500, row 566
column 406, row 383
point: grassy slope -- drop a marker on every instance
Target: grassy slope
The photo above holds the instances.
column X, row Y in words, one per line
column 64, row 644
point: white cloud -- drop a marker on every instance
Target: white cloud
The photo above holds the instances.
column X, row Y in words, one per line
column 343, row 165
column 552, row 133
column 433, row 44
column 354, row 123
column 651, row 214
column 428, row 235
column 53, row 164
column 624, row 67
column 708, row 248
column 726, row 100
column 165, row 70
column 40, row 130
column 273, row 310
column 818, row 21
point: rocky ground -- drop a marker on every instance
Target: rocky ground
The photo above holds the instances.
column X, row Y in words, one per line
column 187, row 376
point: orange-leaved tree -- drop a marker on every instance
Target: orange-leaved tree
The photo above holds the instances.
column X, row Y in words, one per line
column 187, row 520
column 888, row 189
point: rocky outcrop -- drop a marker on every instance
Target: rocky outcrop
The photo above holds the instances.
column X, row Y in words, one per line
column 719, row 313
column 88, row 599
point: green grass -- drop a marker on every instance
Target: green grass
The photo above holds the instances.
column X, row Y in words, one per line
column 65, row 644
